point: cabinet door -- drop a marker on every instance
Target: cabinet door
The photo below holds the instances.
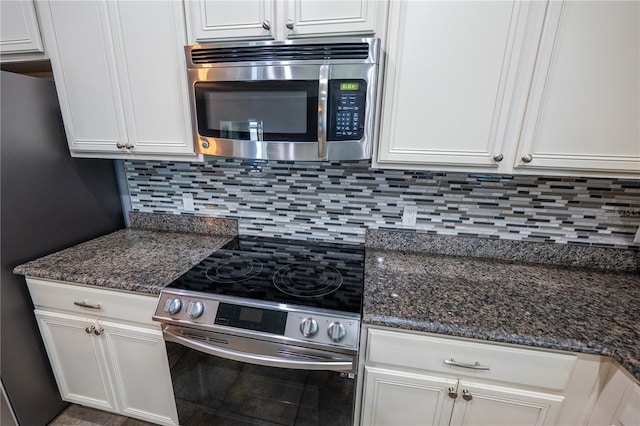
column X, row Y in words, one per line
column 141, row 372
column 79, row 44
column 395, row 397
column 628, row 413
column 227, row 19
column 483, row 404
column 19, row 32
column 77, row 359
column 449, row 77
column 149, row 39
column 314, row 17
column 584, row 106
column 618, row 403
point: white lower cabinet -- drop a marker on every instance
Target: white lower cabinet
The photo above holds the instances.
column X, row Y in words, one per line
column 396, row 397
column 419, row 379
column 487, row 404
column 619, row 401
column 78, row 360
column 114, row 364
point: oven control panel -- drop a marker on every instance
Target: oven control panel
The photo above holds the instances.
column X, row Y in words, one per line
column 325, row 329
column 301, row 325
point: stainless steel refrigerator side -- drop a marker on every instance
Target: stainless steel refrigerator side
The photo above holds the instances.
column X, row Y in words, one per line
column 49, row 201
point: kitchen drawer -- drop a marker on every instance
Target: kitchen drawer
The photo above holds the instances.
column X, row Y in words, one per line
column 507, row 364
column 55, row 295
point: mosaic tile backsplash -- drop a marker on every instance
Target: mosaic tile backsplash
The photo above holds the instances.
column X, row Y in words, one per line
column 339, row 201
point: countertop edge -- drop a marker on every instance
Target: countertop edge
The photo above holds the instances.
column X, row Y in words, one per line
column 481, row 336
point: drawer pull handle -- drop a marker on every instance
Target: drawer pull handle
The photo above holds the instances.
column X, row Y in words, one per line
column 452, row 362
column 86, row 305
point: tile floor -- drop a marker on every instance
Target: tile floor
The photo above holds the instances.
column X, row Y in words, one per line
column 77, row 415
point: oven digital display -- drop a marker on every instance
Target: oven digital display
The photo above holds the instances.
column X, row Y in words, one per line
column 257, row 319
column 251, row 315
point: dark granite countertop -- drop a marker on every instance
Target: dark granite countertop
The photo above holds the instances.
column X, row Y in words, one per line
column 576, row 309
column 447, row 285
column 142, row 259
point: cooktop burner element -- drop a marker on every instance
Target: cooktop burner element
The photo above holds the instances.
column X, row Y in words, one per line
column 306, row 279
column 234, row 271
column 311, row 274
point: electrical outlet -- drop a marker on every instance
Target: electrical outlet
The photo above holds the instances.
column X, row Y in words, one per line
column 187, row 201
column 636, row 239
column 409, row 216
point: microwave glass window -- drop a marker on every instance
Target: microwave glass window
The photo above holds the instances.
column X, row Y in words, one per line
column 279, row 112
column 261, row 110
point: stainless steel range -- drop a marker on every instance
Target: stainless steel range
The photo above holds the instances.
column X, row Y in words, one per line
column 278, row 309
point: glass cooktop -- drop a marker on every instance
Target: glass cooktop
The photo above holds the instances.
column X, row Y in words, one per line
column 311, row 274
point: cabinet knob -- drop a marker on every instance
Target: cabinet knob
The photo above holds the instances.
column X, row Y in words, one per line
column 466, row 395
column 266, row 25
column 452, row 393
column 498, row 158
column 128, row 146
column 289, row 24
column 527, row 158
column 97, row 331
column 120, row 145
column 89, row 330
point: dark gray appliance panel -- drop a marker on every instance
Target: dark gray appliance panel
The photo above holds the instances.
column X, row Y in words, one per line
column 50, row 201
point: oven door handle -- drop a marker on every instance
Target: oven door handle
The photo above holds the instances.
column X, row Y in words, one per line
column 250, row 358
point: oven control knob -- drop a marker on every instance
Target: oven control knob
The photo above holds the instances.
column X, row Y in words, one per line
column 195, row 309
column 173, row 306
column 309, row 327
column 336, row 332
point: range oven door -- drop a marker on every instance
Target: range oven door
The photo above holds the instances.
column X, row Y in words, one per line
column 246, row 382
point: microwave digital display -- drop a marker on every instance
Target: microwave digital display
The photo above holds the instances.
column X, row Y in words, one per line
column 349, row 86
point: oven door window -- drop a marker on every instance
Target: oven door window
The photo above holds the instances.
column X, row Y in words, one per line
column 211, row 391
column 258, row 110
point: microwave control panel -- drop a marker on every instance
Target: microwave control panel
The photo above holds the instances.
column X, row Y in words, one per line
column 347, row 100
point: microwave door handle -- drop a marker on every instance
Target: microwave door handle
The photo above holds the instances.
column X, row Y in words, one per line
column 323, row 96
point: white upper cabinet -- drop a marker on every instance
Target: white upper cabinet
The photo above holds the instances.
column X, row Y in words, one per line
column 121, row 77
column 513, row 87
column 227, row 19
column 215, row 20
column 317, row 17
column 19, row 32
column 584, row 107
column 83, row 65
column 449, row 81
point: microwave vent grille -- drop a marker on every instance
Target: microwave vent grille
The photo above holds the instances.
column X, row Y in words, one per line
column 213, row 55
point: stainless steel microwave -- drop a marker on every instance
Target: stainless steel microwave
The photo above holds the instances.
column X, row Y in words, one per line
column 293, row 100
